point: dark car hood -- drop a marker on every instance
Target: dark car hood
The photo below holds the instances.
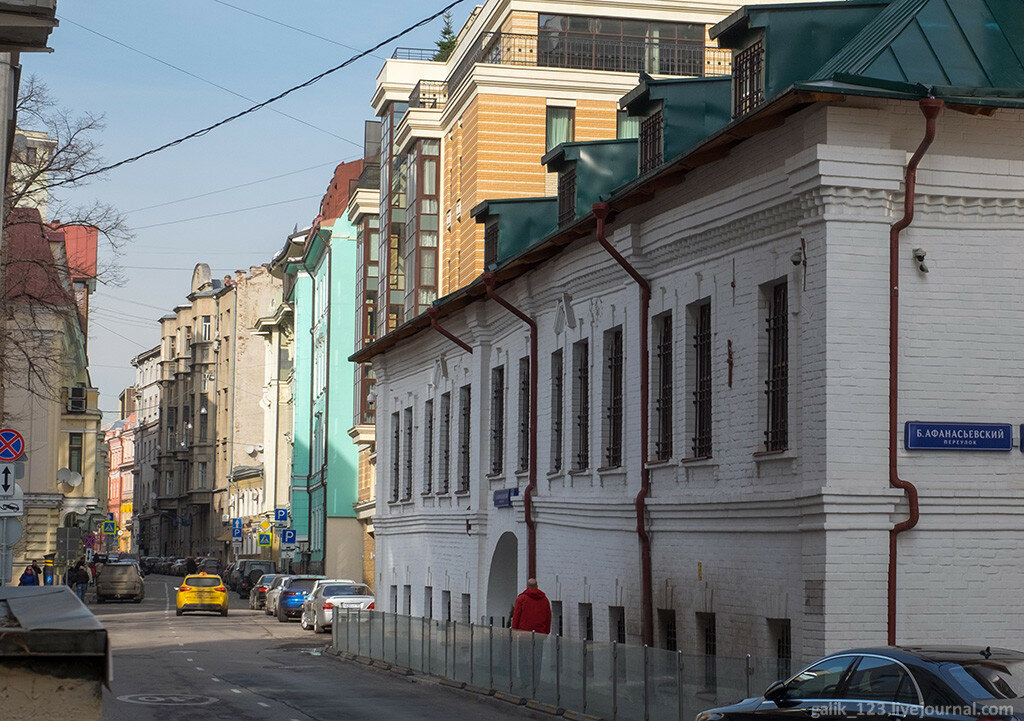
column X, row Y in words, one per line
column 747, row 704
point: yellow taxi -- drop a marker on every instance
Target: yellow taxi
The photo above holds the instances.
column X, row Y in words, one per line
column 202, row 592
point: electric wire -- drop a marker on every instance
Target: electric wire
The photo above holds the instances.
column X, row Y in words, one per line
column 225, row 212
column 200, row 78
column 259, row 106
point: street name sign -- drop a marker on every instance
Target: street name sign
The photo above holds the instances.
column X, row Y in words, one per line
column 12, row 445
column 927, row 436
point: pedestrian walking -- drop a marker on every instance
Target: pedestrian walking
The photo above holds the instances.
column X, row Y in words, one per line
column 37, row 570
column 531, row 613
column 190, row 566
column 28, row 578
column 81, row 581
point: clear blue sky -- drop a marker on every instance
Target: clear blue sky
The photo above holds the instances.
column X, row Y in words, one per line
column 146, row 103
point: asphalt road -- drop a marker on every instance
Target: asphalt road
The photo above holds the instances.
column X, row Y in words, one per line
column 250, row 666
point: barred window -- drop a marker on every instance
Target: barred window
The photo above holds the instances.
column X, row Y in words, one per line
column 652, row 143
column 396, row 455
column 706, row 629
column 663, row 400
column 702, row 381
column 779, row 628
column 557, row 393
column 407, row 465
column 524, row 415
column 748, row 79
column 445, row 444
column 581, row 405
column 776, row 433
column 428, row 446
column 497, row 420
column 465, row 399
column 566, row 196
column 613, row 398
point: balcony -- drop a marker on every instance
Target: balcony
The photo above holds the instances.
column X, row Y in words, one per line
column 422, row 54
column 431, row 94
column 590, row 52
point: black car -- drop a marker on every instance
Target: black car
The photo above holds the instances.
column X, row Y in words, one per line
column 247, row 572
column 952, row 683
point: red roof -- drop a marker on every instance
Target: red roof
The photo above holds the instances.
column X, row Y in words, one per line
column 31, row 273
column 336, row 198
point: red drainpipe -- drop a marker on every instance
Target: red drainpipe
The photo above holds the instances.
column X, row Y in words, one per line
column 531, row 486
column 432, row 313
column 930, row 107
column 601, row 211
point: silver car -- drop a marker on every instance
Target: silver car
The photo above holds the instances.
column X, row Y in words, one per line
column 318, row 608
column 273, row 594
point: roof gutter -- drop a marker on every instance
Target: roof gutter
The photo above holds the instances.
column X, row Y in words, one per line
column 432, row 314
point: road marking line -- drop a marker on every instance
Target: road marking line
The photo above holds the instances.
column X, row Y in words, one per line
column 188, row 659
column 199, row 668
column 215, row 679
column 235, row 690
column 264, row 705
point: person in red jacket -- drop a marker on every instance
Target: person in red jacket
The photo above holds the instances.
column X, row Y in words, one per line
column 532, row 611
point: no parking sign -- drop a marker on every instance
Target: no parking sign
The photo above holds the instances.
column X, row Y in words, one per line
column 12, row 445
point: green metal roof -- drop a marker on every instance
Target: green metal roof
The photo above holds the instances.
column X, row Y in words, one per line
column 692, row 108
column 961, row 45
column 601, row 167
column 522, row 223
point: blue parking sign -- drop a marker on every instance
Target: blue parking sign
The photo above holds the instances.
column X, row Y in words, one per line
column 288, row 536
column 281, row 514
column 236, row 532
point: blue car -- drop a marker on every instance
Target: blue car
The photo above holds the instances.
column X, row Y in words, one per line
column 293, row 592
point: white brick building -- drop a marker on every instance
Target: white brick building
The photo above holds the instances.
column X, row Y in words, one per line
column 780, row 534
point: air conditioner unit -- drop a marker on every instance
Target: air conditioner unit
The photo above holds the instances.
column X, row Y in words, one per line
column 76, row 399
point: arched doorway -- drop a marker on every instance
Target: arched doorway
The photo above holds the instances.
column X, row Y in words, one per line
column 502, row 583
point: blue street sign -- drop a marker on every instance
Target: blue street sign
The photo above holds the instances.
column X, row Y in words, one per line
column 110, row 516
column 236, row 523
column 281, row 514
column 921, row 435
column 236, row 532
column 109, row 528
column 265, row 539
column 503, row 497
column 288, row 536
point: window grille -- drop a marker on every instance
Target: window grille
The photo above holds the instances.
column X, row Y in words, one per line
column 428, row 446
column 497, row 420
column 491, row 242
column 663, row 401
column 524, row 415
column 748, row 79
column 702, row 382
column 652, row 145
column 566, row 196
column 613, row 399
column 581, row 405
column 445, row 443
column 396, row 456
column 465, row 399
column 557, row 393
column 777, row 431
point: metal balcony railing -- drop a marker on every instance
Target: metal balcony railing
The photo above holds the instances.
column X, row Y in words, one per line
column 413, row 54
column 586, row 52
column 431, row 94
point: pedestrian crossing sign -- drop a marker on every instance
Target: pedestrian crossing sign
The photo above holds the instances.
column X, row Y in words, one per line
column 264, row 539
column 109, row 528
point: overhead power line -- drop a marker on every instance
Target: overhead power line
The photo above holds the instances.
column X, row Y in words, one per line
column 200, row 78
column 259, row 106
column 226, row 212
column 286, row 25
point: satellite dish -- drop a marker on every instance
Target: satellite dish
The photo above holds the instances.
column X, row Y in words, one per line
column 64, row 475
column 76, row 480
column 249, row 450
column 259, row 447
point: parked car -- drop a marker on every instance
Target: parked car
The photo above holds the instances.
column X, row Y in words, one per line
column 120, row 581
column 178, row 567
column 292, row 593
column 273, row 591
column 258, row 594
column 247, row 572
column 202, row 592
column 318, row 608
column 209, row 565
column 889, row 683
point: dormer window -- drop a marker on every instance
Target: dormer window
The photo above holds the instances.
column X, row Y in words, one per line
column 567, row 196
column 748, row 79
column 652, row 143
column 491, row 241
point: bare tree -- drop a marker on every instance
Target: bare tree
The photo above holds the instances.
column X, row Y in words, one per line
column 41, row 322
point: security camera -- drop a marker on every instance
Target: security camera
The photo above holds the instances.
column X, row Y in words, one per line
column 922, row 267
column 919, row 254
column 797, row 258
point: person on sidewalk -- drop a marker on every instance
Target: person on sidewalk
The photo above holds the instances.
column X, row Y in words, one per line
column 191, row 566
column 81, row 581
column 28, row 578
column 38, row 571
column 532, row 611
